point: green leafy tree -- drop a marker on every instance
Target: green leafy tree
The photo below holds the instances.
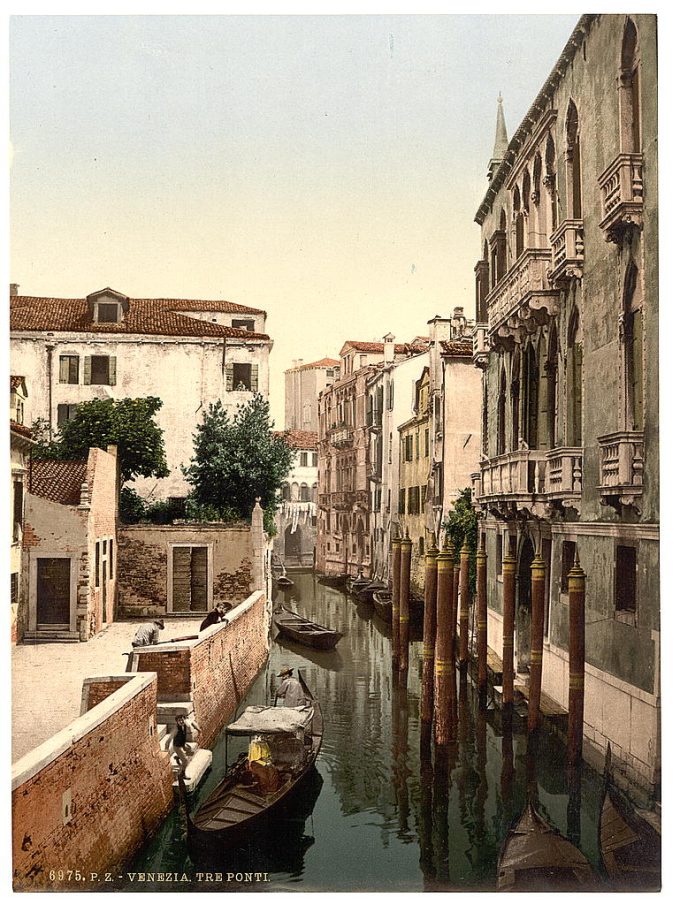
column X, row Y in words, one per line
column 461, row 525
column 127, row 423
column 237, row 460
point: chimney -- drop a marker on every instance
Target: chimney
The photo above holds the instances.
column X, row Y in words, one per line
column 440, row 328
column 458, row 322
column 388, row 348
column 13, row 289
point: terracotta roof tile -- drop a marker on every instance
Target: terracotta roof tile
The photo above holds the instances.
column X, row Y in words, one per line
column 157, row 317
column 22, row 429
column 57, row 480
column 321, row 363
column 461, row 347
column 15, row 381
column 299, row 439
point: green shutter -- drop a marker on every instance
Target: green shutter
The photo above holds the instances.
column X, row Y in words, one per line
column 87, row 370
column 112, row 370
column 229, row 377
column 253, row 378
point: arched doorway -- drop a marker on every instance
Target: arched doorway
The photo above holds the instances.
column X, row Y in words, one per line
column 292, row 541
column 523, row 610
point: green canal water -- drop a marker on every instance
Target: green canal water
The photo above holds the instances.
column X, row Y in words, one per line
column 378, row 815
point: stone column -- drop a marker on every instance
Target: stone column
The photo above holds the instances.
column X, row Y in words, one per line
column 481, row 621
column 257, row 538
column 536, row 658
column 443, row 666
column 464, row 642
column 396, row 591
column 454, row 610
column 577, row 597
column 509, row 572
column 404, row 601
column 429, row 634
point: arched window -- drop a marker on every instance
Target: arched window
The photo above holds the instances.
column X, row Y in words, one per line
column 519, row 222
column 550, row 181
column 530, row 408
column 500, row 437
column 551, row 373
column 314, row 492
column 538, row 239
column 304, row 493
column 514, row 398
column 574, row 378
column 632, row 345
column 573, row 156
column 629, row 94
column 295, row 492
column 285, row 491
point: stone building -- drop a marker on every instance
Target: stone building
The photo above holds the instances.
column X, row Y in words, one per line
column 296, row 514
column 304, row 382
column 189, row 353
column 70, row 550
column 21, row 444
column 567, row 338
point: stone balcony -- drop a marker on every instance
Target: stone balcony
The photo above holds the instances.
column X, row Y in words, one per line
column 621, row 468
column 567, row 251
column 565, row 474
column 622, row 191
column 525, row 297
column 341, row 437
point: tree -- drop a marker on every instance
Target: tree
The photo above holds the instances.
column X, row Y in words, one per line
column 127, row 423
column 461, row 525
column 236, row 460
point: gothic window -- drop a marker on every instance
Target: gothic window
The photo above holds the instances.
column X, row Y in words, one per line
column 304, row 493
column 632, row 349
column 550, row 181
column 500, row 447
column 530, row 408
column 625, row 581
column 537, row 198
column 574, row 381
column 551, row 373
column 285, row 490
column 573, row 156
column 519, row 222
column 629, row 94
column 514, row 398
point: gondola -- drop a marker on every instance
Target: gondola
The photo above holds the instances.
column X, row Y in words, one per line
column 382, row 601
column 365, row 593
column 283, row 581
column 356, row 584
column 630, row 849
column 297, row 628
column 242, row 804
column 333, row 581
column 535, row 857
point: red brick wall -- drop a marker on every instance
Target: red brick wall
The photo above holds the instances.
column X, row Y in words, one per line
column 99, row 691
column 173, row 668
column 121, row 787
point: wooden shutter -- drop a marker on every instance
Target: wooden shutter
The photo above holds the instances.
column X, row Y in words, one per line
column 181, row 579
column 254, row 381
column 112, row 370
column 62, row 414
column 229, row 377
column 199, row 578
column 87, row 370
column 64, row 369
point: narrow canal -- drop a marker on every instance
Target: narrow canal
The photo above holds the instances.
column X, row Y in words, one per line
column 381, row 817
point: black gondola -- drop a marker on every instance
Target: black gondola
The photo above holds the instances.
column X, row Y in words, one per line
column 295, row 627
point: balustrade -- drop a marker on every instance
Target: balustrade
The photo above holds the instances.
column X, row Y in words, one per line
column 567, row 251
column 621, row 466
column 525, row 290
column 622, row 193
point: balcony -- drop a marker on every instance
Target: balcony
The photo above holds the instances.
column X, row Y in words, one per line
column 524, row 298
column 374, row 471
column 567, row 251
column 621, row 189
column 341, row 437
column 514, row 481
column 480, row 346
column 621, row 468
column 565, row 472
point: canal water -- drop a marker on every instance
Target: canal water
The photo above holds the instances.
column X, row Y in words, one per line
column 378, row 815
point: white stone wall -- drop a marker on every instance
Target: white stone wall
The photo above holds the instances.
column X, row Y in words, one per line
column 462, row 407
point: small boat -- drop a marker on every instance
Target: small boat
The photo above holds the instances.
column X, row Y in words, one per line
column 382, row 601
column 241, row 805
column 356, row 584
column 283, row 581
column 295, row 627
column 333, row 581
column 630, row 848
column 365, row 593
column 535, row 857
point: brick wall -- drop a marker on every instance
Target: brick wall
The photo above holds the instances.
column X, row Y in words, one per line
column 97, row 689
column 108, row 762
column 144, row 556
column 216, row 671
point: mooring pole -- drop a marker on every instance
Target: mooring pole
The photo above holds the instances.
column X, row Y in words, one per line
column 396, row 592
column 536, row 658
column 429, row 633
column 464, row 643
column 576, row 581
column 443, row 667
column 404, row 601
column 454, row 610
column 481, row 622
column 509, row 572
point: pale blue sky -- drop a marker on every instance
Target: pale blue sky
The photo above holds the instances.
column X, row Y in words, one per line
column 327, row 169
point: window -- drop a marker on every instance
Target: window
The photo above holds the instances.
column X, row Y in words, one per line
column 573, row 157
column 423, row 496
column 65, row 412
column 426, row 450
column 69, row 367
column 417, row 435
column 20, row 412
column 110, row 557
column 408, row 448
column 625, row 581
column 239, row 376
column 632, row 350
column 14, row 588
column 499, row 555
column 421, row 546
column 315, row 460
column 629, row 92
column 414, row 500
column 248, row 325
column 500, row 416
column 303, row 459
column 530, row 413
column 402, row 501
column 574, row 381
column 568, row 557
column 189, row 579
column 18, row 509
column 108, row 313
column 286, row 491
column 97, row 563
column 100, row 370
column 304, row 493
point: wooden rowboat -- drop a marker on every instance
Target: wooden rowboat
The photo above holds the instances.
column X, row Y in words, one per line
column 295, row 627
column 382, row 601
column 365, row 593
column 240, row 806
column 535, row 857
column 630, row 848
column 333, row 581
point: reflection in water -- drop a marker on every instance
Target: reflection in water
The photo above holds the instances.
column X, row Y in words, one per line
column 392, row 814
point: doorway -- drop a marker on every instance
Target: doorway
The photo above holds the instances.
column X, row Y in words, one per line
column 54, row 591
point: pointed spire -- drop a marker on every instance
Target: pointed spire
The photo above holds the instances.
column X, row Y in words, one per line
column 501, row 142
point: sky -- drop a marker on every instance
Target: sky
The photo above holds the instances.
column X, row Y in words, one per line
column 324, row 168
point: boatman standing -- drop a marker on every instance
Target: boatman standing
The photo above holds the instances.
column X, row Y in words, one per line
column 290, row 689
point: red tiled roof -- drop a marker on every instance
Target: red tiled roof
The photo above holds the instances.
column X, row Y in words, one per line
column 321, row 363
column 461, row 347
column 399, row 348
column 145, row 316
column 299, row 439
column 57, row 480
column 15, row 381
column 20, row 428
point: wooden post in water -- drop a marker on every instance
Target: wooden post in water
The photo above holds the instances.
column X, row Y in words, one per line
column 576, row 580
column 482, row 673
column 404, row 601
column 396, row 591
column 536, row 658
column 464, row 642
column 454, row 610
column 443, row 667
column 429, row 633
column 509, row 572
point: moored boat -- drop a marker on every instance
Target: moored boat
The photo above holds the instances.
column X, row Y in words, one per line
column 536, row 857
column 382, row 601
column 286, row 741
column 295, row 627
column 333, row 581
column 365, row 593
